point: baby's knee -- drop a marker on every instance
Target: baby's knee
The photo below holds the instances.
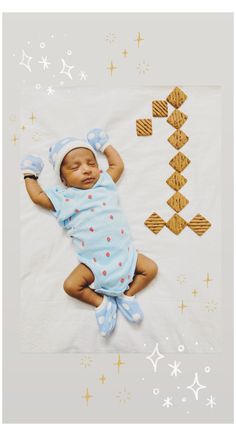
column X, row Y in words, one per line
column 152, row 270
column 71, row 288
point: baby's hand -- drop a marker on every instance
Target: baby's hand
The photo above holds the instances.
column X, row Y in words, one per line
column 31, row 164
column 98, row 139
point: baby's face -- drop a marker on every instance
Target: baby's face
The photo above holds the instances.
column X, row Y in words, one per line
column 79, row 169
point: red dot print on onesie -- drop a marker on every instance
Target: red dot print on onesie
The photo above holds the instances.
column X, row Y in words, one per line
column 104, row 273
column 111, row 217
column 108, row 239
column 67, row 199
column 122, row 280
column 90, row 196
column 120, row 264
column 104, row 204
column 82, row 243
column 91, row 229
column 94, row 259
column 92, row 210
column 108, row 254
column 100, row 171
column 76, row 210
column 122, row 231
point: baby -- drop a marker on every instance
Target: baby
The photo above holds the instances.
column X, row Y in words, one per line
column 110, row 270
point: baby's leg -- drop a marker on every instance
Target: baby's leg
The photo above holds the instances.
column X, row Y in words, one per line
column 77, row 285
column 146, row 270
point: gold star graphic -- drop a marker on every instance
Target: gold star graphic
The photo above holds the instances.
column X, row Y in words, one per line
column 139, row 39
column 111, row 67
column 182, row 306
column 194, row 292
column 32, row 118
column 125, row 53
column 14, row 139
column 119, row 363
column 87, row 396
column 207, row 280
column 102, row 379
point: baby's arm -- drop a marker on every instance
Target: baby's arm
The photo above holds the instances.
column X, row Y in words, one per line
column 37, row 195
column 31, row 164
column 116, row 164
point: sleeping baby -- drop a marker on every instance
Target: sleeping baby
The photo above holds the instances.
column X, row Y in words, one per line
column 85, row 203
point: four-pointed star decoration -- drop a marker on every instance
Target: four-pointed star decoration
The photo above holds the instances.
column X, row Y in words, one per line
column 155, row 357
column 196, row 386
column 25, row 61
column 66, row 69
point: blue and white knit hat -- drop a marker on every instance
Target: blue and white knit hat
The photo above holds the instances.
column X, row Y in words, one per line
column 58, row 151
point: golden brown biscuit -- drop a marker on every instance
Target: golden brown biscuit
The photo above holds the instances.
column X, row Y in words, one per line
column 177, row 97
column 176, row 224
column 179, row 162
column 178, row 139
column 154, row 222
column 199, row 224
column 177, row 119
column 177, row 202
column 144, row 127
column 176, row 181
column 159, row 108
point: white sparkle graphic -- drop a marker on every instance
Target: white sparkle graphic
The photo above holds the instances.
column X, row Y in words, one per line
column 197, row 387
column 175, row 368
column 45, row 63
column 211, row 402
column 25, row 61
column 167, row 402
column 42, row 45
column 83, row 75
column 181, row 348
column 50, row 90
column 155, row 357
column 156, row 391
column 37, row 86
column 207, row 369
column 66, row 69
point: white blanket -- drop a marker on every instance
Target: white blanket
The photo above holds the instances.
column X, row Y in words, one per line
column 51, row 321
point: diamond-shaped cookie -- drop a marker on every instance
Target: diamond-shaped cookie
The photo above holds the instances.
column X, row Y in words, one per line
column 154, row 222
column 177, row 119
column 199, row 224
column 177, row 202
column 176, row 181
column 178, row 139
column 176, row 224
column 159, row 108
column 179, row 162
column 144, row 127
column 177, row 97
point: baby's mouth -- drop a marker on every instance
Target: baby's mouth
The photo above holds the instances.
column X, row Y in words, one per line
column 88, row 180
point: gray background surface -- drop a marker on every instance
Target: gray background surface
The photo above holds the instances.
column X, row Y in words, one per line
column 184, row 49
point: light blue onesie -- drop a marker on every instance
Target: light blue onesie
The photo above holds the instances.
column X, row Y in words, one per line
column 99, row 231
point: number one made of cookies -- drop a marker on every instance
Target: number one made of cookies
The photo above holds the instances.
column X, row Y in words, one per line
column 176, row 224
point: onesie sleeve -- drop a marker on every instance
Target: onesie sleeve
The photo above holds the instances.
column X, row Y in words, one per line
column 55, row 194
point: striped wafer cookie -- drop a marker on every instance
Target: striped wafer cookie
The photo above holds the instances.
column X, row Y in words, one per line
column 179, row 162
column 177, row 119
column 154, row 222
column 177, row 202
column 177, row 97
column 159, row 108
column 176, row 224
column 178, row 139
column 176, row 181
column 199, row 224
column 144, row 127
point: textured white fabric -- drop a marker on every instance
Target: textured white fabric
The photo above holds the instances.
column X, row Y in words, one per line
column 51, row 321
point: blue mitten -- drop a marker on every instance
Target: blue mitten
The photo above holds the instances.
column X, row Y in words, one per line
column 31, row 164
column 98, row 139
